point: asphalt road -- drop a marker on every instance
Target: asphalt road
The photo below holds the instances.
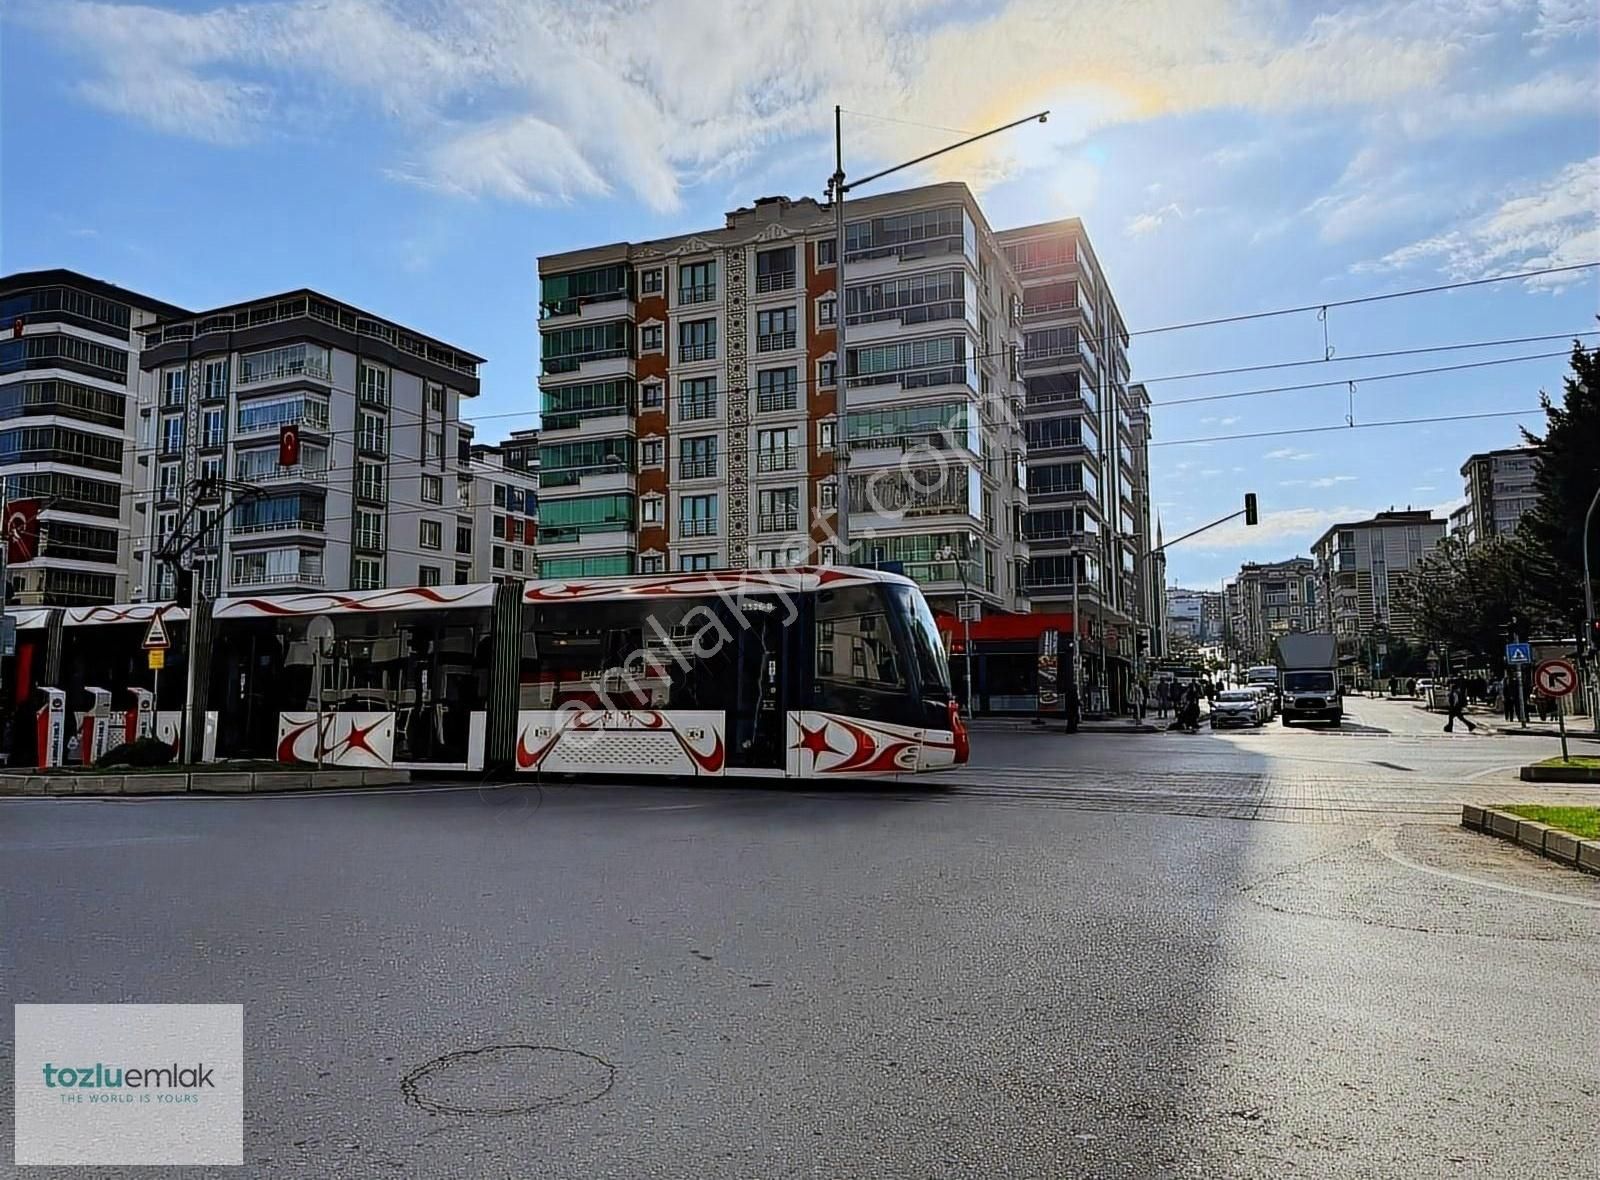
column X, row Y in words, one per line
column 1085, row 956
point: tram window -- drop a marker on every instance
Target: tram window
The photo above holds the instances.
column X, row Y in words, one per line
column 858, row 665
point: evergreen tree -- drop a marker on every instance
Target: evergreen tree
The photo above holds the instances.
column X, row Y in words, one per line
column 1567, row 478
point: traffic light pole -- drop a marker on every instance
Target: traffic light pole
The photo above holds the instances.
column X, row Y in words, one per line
column 1589, row 621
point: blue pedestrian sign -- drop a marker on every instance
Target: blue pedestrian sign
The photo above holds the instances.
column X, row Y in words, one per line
column 1519, row 653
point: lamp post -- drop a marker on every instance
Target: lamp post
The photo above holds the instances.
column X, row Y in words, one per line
column 1588, row 615
column 837, row 189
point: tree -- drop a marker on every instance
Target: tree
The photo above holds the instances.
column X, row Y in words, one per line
column 1472, row 599
column 1566, row 478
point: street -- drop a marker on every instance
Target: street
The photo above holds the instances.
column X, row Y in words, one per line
column 1085, row 955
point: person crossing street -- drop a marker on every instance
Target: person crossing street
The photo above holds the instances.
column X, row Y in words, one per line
column 1456, row 705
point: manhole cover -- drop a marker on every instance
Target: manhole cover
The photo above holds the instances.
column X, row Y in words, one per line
column 507, row 1079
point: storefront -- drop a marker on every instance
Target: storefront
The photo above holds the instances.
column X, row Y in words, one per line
column 1004, row 659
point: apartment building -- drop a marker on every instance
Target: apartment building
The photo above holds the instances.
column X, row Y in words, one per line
column 498, row 529
column 1360, row 566
column 383, row 470
column 68, row 379
column 1195, row 615
column 690, row 391
column 520, row 450
column 1269, row 599
column 1499, row 489
column 1088, row 433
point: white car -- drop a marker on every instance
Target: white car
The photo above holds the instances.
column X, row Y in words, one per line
column 1238, row 706
column 1269, row 698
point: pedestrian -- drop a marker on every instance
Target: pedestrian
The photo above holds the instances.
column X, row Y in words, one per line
column 1542, row 703
column 1456, row 704
column 1161, row 699
column 1136, row 699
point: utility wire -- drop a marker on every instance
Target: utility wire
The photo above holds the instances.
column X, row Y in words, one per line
column 1188, row 442
column 907, row 122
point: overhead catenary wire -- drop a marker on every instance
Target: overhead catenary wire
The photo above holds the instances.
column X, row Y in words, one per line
column 1214, row 438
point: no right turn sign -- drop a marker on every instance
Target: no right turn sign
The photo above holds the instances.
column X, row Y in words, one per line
column 1555, row 678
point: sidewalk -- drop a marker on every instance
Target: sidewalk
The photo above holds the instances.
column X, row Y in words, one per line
column 1579, row 727
column 1056, row 725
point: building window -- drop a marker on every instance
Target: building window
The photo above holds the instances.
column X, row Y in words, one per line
column 369, row 479
column 516, row 560
column 650, row 338
column 498, row 556
column 499, row 495
column 373, row 385
column 775, row 449
column 775, row 269
column 697, row 340
column 463, row 537
column 775, row 329
column 697, row 399
column 697, row 457
column 650, row 563
column 651, row 396
column 650, row 281
column 372, row 433
column 827, row 432
column 434, row 445
column 463, row 573
column 650, row 452
column 369, row 529
column 828, row 555
column 697, row 282
column 215, row 381
column 211, row 470
column 777, row 389
column 430, row 534
column 497, row 525
column 212, row 427
column 177, row 385
column 463, row 492
column 436, row 400
column 432, row 489
column 427, row 575
column 828, row 494
column 650, row 510
column 688, row 562
column 366, row 573
column 172, row 436
column 826, row 311
column 827, row 251
column 697, row 516
column 826, row 374
column 778, row 510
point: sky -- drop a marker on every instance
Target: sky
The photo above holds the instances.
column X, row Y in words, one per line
column 415, row 157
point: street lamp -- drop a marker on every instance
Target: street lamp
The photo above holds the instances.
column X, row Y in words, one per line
column 837, row 188
column 1588, row 614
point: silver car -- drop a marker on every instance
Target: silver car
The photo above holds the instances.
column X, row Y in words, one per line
column 1238, row 706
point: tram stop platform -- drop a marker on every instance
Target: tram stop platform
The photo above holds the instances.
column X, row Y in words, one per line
column 205, row 781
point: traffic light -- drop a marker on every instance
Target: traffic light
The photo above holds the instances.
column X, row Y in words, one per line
column 1251, row 516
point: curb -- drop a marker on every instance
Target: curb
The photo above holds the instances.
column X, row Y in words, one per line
column 1551, row 843
column 1560, row 774
column 197, row 782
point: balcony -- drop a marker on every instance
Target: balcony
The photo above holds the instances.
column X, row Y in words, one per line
column 605, row 362
column 283, row 369
column 372, row 491
column 695, row 409
column 773, row 401
column 776, row 460
column 947, row 575
column 312, row 416
column 272, row 527
column 602, row 305
column 271, row 578
column 777, row 522
column 775, row 341
column 703, row 293
column 285, row 475
column 697, row 469
column 777, row 281
column 607, row 477
column 371, row 443
column 697, row 352
column 705, row 526
column 1046, row 358
column 569, row 538
column 1050, row 311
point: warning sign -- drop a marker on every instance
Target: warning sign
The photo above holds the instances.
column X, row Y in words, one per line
column 155, row 639
column 157, row 657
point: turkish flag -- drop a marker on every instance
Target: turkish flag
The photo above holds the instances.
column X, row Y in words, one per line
column 289, row 446
column 22, row 530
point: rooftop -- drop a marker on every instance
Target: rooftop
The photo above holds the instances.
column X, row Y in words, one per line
column 59, row 277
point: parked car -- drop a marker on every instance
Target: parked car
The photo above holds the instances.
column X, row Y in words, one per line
column 1239, row 706
column 1269, row 698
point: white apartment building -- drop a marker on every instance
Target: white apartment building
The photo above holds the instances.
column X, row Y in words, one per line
column 690, row 387
column 496, row 533
column 1360, row 566
column 1269, row 599
column 1499, row 489
column 384, row 469
column 68, row 379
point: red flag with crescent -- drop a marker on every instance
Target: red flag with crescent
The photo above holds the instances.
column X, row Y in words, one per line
column 22, row 530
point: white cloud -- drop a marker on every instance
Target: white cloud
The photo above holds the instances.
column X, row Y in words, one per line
column 1289, row 453
column 1326, row 481
column 1301, row 526
column 1554, row 223
column 1425, row 487
column 546, row 100
column 1149, row 222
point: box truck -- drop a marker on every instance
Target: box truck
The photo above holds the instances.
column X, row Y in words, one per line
column 1308, row 679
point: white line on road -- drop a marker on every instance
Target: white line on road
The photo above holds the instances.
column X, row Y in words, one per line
column 1384, row 842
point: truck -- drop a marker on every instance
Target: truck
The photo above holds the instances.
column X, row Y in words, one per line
column 1308, row 678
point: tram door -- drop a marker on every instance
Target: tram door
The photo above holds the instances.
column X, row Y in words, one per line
column 756, row 707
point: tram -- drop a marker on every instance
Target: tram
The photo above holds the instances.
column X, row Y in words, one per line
column 799, row 673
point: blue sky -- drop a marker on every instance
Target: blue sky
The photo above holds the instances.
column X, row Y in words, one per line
column 1227, row 156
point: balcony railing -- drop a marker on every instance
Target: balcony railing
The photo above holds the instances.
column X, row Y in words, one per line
column 276, row 526
column 270, row 578
column 374, row 395
column 369, row 489
column 576, row 303
column 310, row 417
column 571, row 364
column 778, row 460
column 703, row 526
column 697, row 468
column 692, row 409
column 777, row 522
column 776, row 281
column 703, row 293
column 775, row 341
column 296, row 474
column 774, row 400
column 1033, row 311
column 1043, row 357
column 282, row 371
column 968, row 573
column 697, row 352
column 373, row 444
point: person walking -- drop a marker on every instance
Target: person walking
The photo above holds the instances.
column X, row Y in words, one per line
column 1456, row 704
column 1161, row 699
column 1138, row 696
column 1508, row 697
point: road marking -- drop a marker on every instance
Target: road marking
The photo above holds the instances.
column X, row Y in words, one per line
column 674, row 807
column 1384, row 842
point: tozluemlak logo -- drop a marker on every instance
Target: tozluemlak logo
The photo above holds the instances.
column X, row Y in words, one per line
column 101, row 1076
